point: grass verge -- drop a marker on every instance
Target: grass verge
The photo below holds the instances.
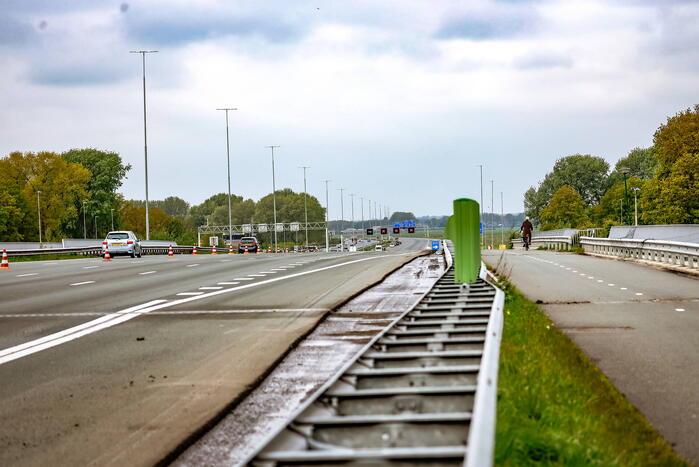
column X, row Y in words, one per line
column 555, row 407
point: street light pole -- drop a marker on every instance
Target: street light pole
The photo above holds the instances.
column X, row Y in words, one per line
column 305, row 205
column 228, row 160
column 84, row 222
column 492, row 213
column 362, row 200
column 635, row 204
column 625, row 171
column 342, row 206
column 502, row 219
column 38, row 207
column 145, row 132
column 481, row 219
column 327, row 217
column 274, row 198
column 112, row 212
column 352, row 195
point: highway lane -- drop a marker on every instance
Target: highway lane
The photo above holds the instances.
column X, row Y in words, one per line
column 638, row 323
column 130, row 393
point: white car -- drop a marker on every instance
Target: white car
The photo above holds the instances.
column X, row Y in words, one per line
column 122, row 242
column 378, row 248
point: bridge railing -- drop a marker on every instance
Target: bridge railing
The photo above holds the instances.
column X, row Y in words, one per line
column 658, row 251
column 558, row 242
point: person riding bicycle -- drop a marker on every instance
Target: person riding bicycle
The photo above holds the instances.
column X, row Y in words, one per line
column 526, row 230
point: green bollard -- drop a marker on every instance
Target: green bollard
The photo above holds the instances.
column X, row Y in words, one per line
column 465, row 234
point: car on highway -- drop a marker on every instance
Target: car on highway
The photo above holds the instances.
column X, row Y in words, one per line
column 122, row 242
column 249, row 244
column 378, row 248
column 312, row 249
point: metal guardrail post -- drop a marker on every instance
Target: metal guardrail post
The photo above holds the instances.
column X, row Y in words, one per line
column 465, row 234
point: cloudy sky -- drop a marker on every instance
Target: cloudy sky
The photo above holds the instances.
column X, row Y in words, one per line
column 396, row 101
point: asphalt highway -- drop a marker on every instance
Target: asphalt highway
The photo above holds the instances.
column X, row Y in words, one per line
column 113, row 363
column 639, row 324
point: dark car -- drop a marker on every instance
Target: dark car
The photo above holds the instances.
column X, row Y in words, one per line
column 249, row 244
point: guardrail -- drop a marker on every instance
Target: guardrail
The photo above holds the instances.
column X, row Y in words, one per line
column 422, row 391
column 657, row 251
column 558, row 242
column 97, row 250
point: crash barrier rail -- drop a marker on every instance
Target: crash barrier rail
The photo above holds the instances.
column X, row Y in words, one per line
column 423, row 391
column 97, row 250
column 558, row 242
column 658, row 251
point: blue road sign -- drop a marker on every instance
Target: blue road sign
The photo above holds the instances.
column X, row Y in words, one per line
column 481, row 228
column 396, row 225
column 435, row 245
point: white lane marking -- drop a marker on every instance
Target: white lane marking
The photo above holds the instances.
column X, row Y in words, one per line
column 610, row 285
column 639, row 293
column 679, row 309
column 46, row 264
column 296, row 264
column 192, row 265
column 28, row 274
column 147, row 272
column 243, row 279
column 83, row 283
column 210, row 288
column 592, row 277
column 600, row 280
column 190, row 293
column 623, row 288
column 112, row 319
column 575, row 271
column 228, row 283
column 278, row 269
column 583, row 274
column 225, row 260
column 90, row 267
column 67, row 335
column 256, row 275
column 268, row 272
column 567, row 269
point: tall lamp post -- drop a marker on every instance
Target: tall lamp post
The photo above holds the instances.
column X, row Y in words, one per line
column 38, row 207
column 228, row 161
column 274, row 197
column 327, row 217
column 305, row 204
column 625, row 172
column 492, row 212
column 361, row 198
column 145, row 132
column 481, row 219
column 84, row 222
column 352, row 195
column 635, row 204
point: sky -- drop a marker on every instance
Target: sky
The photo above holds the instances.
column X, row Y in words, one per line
column 397, row 102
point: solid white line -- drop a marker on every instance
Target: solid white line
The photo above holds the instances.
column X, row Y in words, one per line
column 243, row 279
column 228, row 283
column 210, row 288
column 90, row 267
column 112, row 319
column 28, row 274
column 83, row 283
column 147, row 272
column 190, row 293
column 192, row 265
column 52, row 340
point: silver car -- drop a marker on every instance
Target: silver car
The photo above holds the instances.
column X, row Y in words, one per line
column 122, row 242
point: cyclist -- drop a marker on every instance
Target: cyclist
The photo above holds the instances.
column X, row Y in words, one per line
column 526, row 230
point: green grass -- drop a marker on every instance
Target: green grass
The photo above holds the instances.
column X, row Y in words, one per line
column 555, row 407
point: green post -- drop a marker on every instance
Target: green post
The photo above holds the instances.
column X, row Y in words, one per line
column 465, row 234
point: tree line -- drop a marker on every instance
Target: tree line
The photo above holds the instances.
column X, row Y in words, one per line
column 660, row 183
column 76, row 195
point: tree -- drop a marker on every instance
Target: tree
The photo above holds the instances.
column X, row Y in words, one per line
column 675, row 198
column 585, row 173
column 107, row 172
column 11, row 216
column 565, row 210
column 641, row 163
column 133, row 217
column 678, row 137
column 290, row 208
column 173, row 206
column 609, row 208
column 62, row 185
column 399, row 216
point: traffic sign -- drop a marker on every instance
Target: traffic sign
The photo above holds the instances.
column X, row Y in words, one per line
column 481, row 228
column 435, row 245
column 396, row 230
column 384, row 230
column 411, row 229
column 370, row 231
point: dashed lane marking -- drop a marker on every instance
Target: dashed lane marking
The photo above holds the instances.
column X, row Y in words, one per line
column 192, row 265
column 679, row 309
column 639, row 293
column 147, row 272
column 190, row 293
column 256, row 275
column 210, row 288
column 228, row 283
column 90, row 267
column 28, row 274
column 623, row 288
column 83, row 283
column 243, row 279
column 268, row 272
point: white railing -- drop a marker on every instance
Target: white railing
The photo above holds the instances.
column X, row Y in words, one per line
column 657, row 251
column 558, row 242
